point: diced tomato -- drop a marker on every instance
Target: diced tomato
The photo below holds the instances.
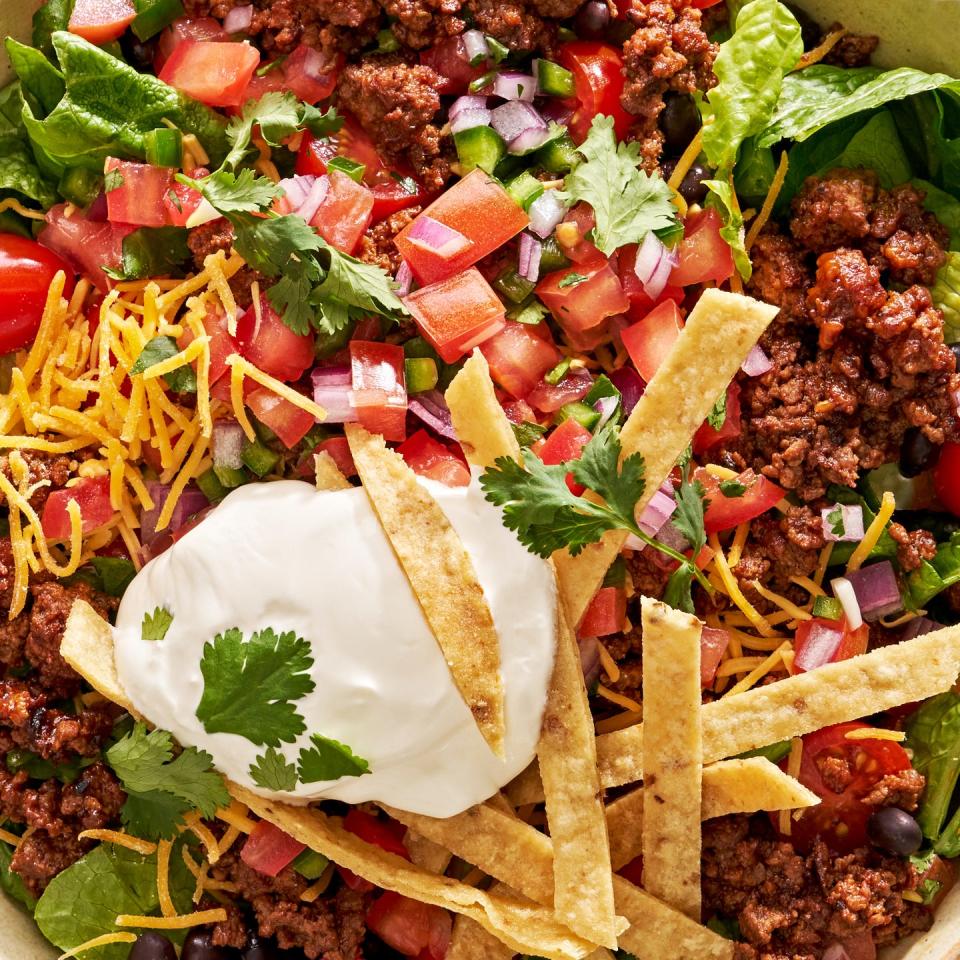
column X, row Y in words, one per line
column 449, row 59
column 859, row 946
column 579, row 304
column 942, row 872
column 650, row 341
column 572, row 235
column 269, row 344
column 478, row 208
column 598, row 83
column 379, row 387
column 518, row 411
column 386, row 834
column 819, row 641
column 210, row 71
column 566, row 443
column 946, row 477
column 344, row 213
column 180, row 202
column 186, row 28
column 92, row 495
column 308, row 76
column 137, row 192
column 548, row 397
column 396, row 195
column 221, row 343
column 430, row 458
column 288, row 421
column 704, row 254
column 100, row 21
column 633, row 288
column 725, row 513
column 840, row 818
column 26, row 269
column 339, row 450
column 456, row 314
column 87, row 246
column 713, row 645
column 268, row 849
column 606, row 613
column 352, row 141
column 412, row 928
column 518, row 358
column 707, row 436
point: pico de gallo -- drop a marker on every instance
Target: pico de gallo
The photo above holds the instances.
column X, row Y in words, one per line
column 343, row 201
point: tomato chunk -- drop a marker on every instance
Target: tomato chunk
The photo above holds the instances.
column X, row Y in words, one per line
column 268, row 849
column 819, row 641
column 583, row 296
column 412, row 928
column 136, row 192
column 713, row 645
column 339, row 450
column 386, row 834
column 650, row 341
column 708, row 436
column 100, row 21
column 186, row 28
column 478, row 208
column 288, row 421
column 430, row 458
column 379, row 387
column 598, row 83
column 92, row 495
column 212, row 72
column 86, row 245
column 269, row 344
column 704, row 254
column 726, row 512
column 221, row 343
column 449, row 59
column 456, row 314
column 344, row 213
column 606, row 613
column 518, row 358
column 564, row 444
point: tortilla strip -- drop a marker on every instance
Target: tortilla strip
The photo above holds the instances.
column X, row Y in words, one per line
column 427, row 854
column 521, row 856
column 719, row 333
column 88, row 647
column 442, row 577
column 329, row 477
column 730, row 786
column 583, row 886
column 671, row 762
column 471, row 942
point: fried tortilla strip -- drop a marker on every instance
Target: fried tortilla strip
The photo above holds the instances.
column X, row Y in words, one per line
column 427, row 854
column 471, row 942
column 719, row 333
column 329, row 477
column 442, row 577
column 583, row 886
column 520, row 856
column 672, row 769
column 730, row 786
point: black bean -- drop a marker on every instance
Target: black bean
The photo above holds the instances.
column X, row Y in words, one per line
column 197, row 946
column 679, row 121
column 692, row 188
column 592, row 20
column 893, row 829
column 917, row 453
column 152, row 946
column 257, row 949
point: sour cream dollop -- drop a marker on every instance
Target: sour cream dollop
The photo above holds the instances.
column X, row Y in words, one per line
column 283, row 555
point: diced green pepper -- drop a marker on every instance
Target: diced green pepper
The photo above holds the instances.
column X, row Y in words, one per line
column 351, row 168
column 80, row 185
column 310, row 864
column 558, row 372
column 479, row 147
column 554, row 80
column 552, row 256
column 211, row 487
column 584, row 415
column 327, row 344
column 524, row 188
column 164, row 147
column 153, row 15
column 558, row 155
column 259, row 457
column 498, row 51
column 230, row 477
column 514, row 287
column 421, row 374
column 829, row 608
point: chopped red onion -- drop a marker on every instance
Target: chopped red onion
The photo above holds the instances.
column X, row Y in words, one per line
column 606, row 407
column 590, row 660
column 297, row 187
column 238, row 19
column 432, row 409
column 467, row 119
column 511, row 85
column 333, row 390
column 528, row 141
column 476, row 47
column 757, row 362
column 713, row 645
column 520, row 125
column 308, row 209
column 404, row 279
column 191, row 501
column 97, row 211
column 851, row 521
column 529, row 257
column 228, row 440
column 918, row 626
column 653, row 265
column 844, row 592
column 656, row 513
column 877, row 590
column 466, row 103
column 546, row 212
column 437, row 237
column 630, row 385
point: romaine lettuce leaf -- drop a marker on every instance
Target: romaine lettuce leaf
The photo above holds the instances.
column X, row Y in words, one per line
column 946, row 296
column 722, row 199
column 19, row 172
column 934, row 576
column 945, row 207
column 933, row 733
column 11, row 883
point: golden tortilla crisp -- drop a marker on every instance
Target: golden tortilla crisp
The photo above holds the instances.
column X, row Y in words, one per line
column 471, row 942
column 442, row 577
column 671, row 757
column 329, row 477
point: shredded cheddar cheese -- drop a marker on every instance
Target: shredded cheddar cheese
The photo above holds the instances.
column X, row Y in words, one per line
column 760, row 671
column 737, row 665
column 793, row 770
column 739, row 541
column 686, row 161
column 315, row 890
column 104, row 940
column 619, row 721
column 876, row 528
column 875, row 733
column 163, row 879
column 236, row 815
column 819, row 52
column 771, row 198
column 182, row 922
column 275, row 386
column 120, row 839
column 608, row 664
column 733, row 590
column 782, row 602
column 8, row 837
column 618, row 698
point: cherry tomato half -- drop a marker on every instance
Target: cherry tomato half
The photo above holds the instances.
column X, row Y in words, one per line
column 597, row 70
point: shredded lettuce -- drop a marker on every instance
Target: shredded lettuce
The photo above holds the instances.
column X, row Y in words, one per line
column 10, row 882
column 934, row 576
column 946, row 296
column 722, row 199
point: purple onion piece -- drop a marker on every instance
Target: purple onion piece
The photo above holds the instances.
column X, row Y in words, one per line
column 476, row 47
column 529, row 257
column 545, row 213
column 297, row 188
column 404, row 279
column 438, row 237
column 757, row 362
column 918, row 626
column 590, row 660
column 238, row 20
column 656, row 513
column 511, row 85
column 514, row 118
column 228, row 440
column 333, row 390
column 877, row 590
column 630, row 385
column 529, row 140
column 466, row 103
column 192, row 501
column 432, row 409
column 308, row 209
column 606, row 407
column 850, row 518
column 467, row 119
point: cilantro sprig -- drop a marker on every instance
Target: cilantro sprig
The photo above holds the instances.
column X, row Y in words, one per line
column 155, row 625
column 329, row 759
column 272, row 771
column 547, row 516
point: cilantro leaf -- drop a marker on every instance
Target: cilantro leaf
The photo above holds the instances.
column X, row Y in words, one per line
column 835, row 519
column 156, row 624
column 329, row 760
column 688, row 517
column 182, row 380
column 269, row 244
column 248, row 687
column 597, row 469
column 228, row 192
column 115, row 574
column 528, row 433
column 626, row 202
column 571, row 279
column 718, row 414
column 678, row 592
column 272, row 772
column 732, row 488
column 112, row 180
column 160, row 787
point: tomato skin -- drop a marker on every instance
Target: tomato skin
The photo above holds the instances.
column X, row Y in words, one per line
column 92, row 495
column 586, row 303
column 598, row 83
column 180, row 202
column 449, row 60
column 704, row 254
column 412, row 928
column 379, row 387
column 725, row 513
column 818, row 641
column 583, row 220
column 518, row 358
column 141, row 194
column 566, row 443
column 339, row 450
column 840, row 819
column 713, row 645
column 221, row 343
column 100, row 21
column 707, row 437
column 186, row 28
column 268, row 850
column 211, row 71
column 26, row 270
column 606, row 613
column 946, row 477
column 344, row 213
column 386, row 834
column 288, row 421
column 352, row 141
column 650, row 340
column 271, row 345
column 548, row 397
column 430, row 458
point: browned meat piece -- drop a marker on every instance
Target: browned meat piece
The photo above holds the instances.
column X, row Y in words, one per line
column 421, row 23
column 377, row 246
column 13, row 633
column 513, row 22
column 847, row 290
column 780, row 276
column 218, row 235
column 898, row 790
column 781, row 547
column 52, row 471
column 913, row 240
column 852, row 50
column 913, row 546
column 834, row 211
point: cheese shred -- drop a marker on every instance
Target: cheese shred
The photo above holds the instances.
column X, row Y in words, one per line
column 105, row 940
column 876, row 528
column 182, row 922
column 120, row 839
column 793, row 770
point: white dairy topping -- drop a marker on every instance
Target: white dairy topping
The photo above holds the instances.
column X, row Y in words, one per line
column 283, row 555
